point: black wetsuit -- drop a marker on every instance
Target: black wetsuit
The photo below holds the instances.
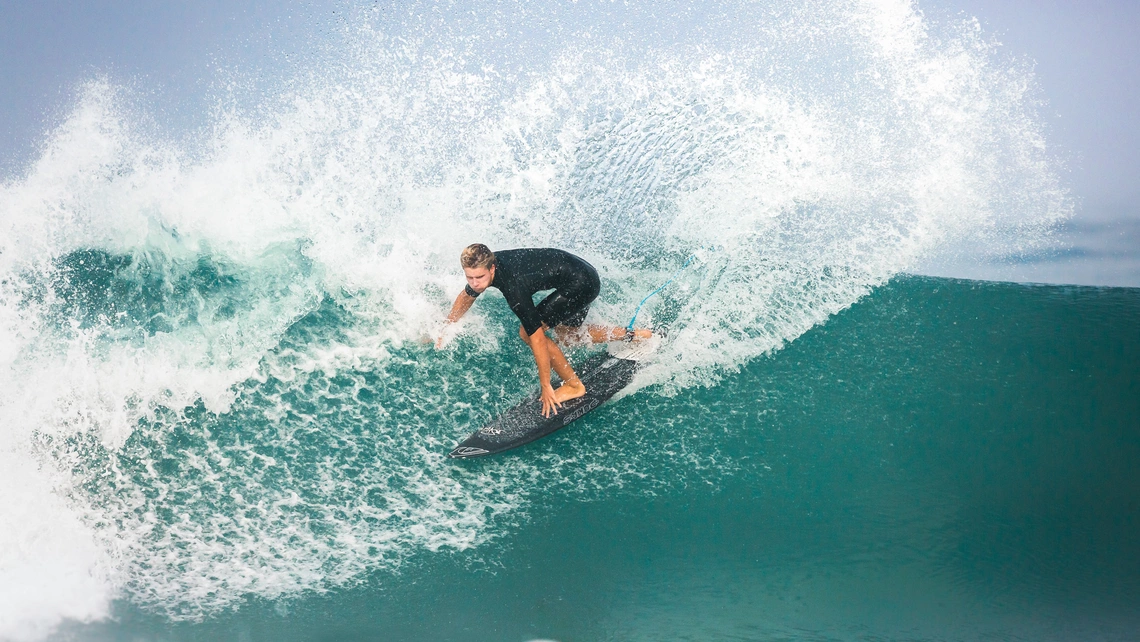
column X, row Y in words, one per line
column 521, row 273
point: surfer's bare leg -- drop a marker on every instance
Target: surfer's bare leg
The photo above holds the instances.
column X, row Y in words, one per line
column 606, row 333
column 596, row 334
column 572, row 336
column 571, row 387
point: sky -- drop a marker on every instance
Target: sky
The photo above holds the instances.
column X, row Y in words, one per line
column 1087, row 62
column 1086, row 57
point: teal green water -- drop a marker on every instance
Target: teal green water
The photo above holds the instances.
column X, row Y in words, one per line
column 944, row 460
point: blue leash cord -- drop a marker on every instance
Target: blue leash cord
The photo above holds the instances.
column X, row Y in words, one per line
column 629, row 328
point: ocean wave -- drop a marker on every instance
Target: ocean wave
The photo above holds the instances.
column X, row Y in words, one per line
column 211, row 352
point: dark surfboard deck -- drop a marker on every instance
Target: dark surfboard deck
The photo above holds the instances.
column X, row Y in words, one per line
column 604, row 376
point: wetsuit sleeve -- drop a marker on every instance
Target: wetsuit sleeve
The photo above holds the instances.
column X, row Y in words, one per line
column 471, row 293
column 524, row 309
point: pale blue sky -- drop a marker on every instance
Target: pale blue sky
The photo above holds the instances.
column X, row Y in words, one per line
column 1087, row 62
column 169, row 51
column 1086, row 54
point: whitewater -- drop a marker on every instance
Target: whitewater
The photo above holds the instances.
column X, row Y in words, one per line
column 213, row 380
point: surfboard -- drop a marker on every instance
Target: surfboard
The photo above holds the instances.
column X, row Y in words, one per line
column 604, row 374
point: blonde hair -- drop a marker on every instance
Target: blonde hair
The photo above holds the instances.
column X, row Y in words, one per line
column 477, row 255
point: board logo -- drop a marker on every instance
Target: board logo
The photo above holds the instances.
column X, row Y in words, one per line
column 468, row 451
column 578, row 412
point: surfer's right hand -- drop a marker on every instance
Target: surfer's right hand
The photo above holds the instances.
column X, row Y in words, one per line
column 550, row 405
column 445, row 335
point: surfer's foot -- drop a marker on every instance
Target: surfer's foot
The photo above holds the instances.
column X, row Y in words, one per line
column 639, row 334
column 569, row 390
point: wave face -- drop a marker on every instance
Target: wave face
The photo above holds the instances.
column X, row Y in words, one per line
column 942, row 460
column 213, row 385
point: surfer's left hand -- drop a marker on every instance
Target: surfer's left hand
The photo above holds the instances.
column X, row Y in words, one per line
column 550, row 405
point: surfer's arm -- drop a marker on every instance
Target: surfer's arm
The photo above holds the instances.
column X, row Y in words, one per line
column 538, row 342
column 462, row 304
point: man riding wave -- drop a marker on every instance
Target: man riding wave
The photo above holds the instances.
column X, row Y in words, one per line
column 519, row 274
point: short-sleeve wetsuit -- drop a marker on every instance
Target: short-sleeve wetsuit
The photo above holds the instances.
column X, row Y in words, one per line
column 521, row 273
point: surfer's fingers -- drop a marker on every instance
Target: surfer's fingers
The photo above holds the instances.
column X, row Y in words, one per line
column 550, row 408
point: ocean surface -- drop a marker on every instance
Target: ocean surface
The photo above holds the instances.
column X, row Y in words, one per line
column 222, row 415
column 945, row 460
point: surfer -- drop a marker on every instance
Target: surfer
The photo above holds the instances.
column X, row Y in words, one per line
column 518, row 274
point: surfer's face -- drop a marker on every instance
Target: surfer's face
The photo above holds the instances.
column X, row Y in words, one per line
column 479, row 278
